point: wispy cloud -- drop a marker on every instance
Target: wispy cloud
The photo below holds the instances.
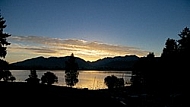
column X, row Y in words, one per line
column 44, row 46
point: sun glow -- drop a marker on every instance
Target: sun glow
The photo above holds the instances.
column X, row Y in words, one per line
column 23, row 47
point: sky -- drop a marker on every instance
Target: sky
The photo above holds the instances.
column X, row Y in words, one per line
column 91, row 29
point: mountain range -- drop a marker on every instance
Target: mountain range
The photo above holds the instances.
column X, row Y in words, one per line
column 58, row 63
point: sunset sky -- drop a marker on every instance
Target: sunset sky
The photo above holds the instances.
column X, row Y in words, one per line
column 91, row 29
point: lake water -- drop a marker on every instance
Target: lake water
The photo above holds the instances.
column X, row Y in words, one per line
column 90, row 79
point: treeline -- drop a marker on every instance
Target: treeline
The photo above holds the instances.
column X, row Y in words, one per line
column 169, row 69
column 165, row 76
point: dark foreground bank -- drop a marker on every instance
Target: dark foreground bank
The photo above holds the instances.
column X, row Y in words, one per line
column 24, row 94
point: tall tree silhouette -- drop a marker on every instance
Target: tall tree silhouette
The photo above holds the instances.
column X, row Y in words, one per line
column 184, row 41
column 3, row 38
column 4, row 72
column 145, row 73
column 165, row 76
column 71, row 71
column 176, row 55
column 175, row 63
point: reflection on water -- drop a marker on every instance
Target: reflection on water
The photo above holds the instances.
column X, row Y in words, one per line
column 90, row 79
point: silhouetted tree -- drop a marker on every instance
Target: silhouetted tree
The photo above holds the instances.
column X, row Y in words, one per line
column 170, row 48
column 71, row 71
column 174, row 63
column 169, row 58
column 178, row 63
column 3, row 38
column 150, row 55
column 184, row 41
column 113, row 82
column 164, row 76
column 33, row 77
column 49, row 78
column 146, row 73
column 178, row 48
column 110, row 81
column 4, row 73
column 7, row 76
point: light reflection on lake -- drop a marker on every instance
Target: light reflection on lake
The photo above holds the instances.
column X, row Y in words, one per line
column 91, row 79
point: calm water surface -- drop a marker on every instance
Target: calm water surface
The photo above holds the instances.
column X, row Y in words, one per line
column 90, row 79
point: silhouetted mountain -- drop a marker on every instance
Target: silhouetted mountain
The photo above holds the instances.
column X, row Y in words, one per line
column 115, row 63
column 46, row 63
column 57, row 63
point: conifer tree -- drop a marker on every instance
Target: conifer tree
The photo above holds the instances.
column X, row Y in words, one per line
column 71, row 71
column 3, row 38
column 5, row 74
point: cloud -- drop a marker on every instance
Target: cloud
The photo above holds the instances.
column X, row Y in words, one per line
column 45, row 46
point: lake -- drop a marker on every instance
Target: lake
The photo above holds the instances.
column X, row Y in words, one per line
column 91, row 79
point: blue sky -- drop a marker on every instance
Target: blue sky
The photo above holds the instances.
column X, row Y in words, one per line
column 91, row 29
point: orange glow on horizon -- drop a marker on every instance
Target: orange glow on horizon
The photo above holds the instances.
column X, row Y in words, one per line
column 26, row 47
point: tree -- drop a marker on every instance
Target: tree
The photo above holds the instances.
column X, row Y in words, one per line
column 33, row 77
column 145, row 73
column 113, row 82
column 5, row 74
column 150, row 55
column 175, row 57
column 184, row 41
column 71, row 71
column 49, row 78
column 178, row 48
column 3, row 38
column 170, row 48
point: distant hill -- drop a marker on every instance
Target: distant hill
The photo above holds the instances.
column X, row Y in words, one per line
column 115, row 63
column 57, row 63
